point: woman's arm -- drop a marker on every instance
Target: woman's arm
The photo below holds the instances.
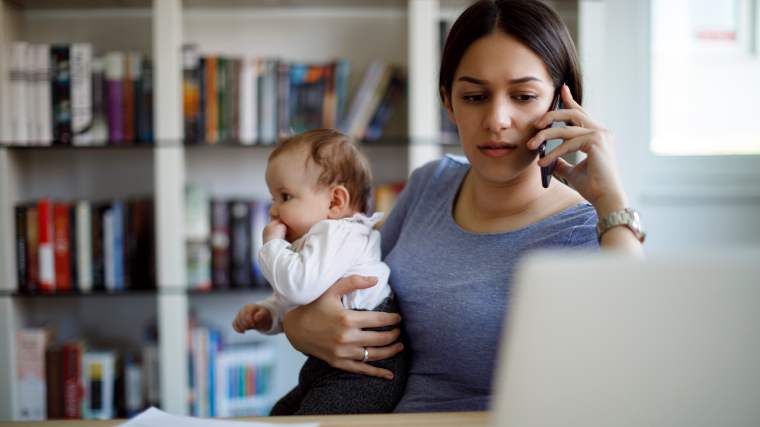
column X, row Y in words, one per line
column 595, row 177
column 325, row 330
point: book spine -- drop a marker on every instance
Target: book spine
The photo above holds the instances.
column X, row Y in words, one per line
column 220, row 242
column 21, row 248
column 222, row 95
column 98, row 256
column 61, row 94
column 128, row 98
column 99, row 118
column 18, row 84
column 201, row 131
column 84, row 246
column 72, row 381
column 73, row 246
column 81, row 93
column 211, row 97
column 108, row 249
column 145, row 103
column 54, row 383
column 190, row 92
column 114, row 96
column 32, row 248
column 240, row 244
column 46, row 257
column 118, row 244
column 342, row 70
column 234, row 100
column 30, row 374
column 30, row 89
column 61, row 250
column 283, row 99
column 44, row 101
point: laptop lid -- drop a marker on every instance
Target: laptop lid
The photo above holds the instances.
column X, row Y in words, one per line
column 604, row 340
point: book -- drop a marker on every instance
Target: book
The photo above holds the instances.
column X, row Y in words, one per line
column 144, row 103
column 133, row 384
column 362, row 104
column 44, row 112
column 211, row 111
column 220, row 244
column 61, row 246
column 46, row 264
column 61, row 93
column 98, row 377
column 240, row 243
column 283, row 99
column 22, row 272
column 18, row 87
column 84, row 246
column 114, row 76
column 81, row 93
column 243, row 380
column 32, row 249
column 267, row 109
column 249, row 72
column 72, row 380
column 222, row 97
column 54, row 382
column 132, row 70
column 97, row 214
column 30, row 374
column 99, row 130
column 191, row 92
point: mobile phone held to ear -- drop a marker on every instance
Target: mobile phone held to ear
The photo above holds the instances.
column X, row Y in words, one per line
column 549, row 145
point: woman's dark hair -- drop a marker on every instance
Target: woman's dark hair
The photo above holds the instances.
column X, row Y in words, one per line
column 532, row 22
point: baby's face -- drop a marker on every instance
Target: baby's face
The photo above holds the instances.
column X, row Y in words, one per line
column 297, row 201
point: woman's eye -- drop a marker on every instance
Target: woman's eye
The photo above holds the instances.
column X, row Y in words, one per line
column 474, row 98
column 524, row 98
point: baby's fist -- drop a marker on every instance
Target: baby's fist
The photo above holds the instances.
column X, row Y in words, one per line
column 274, row 230
column 253, row 316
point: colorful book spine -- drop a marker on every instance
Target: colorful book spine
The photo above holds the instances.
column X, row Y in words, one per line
column 132, row 69
column 43, row 95
column 211, row 113
column 46, row 257
column 222, row 97
column 32, row 248
column 118, row 211
column 98, row 379
column 114, row 75
column 144, row 103
column 61, row 247
column 72, row 381
column 283, row 99
column 240, row 243
column 61, row 94
column 99, row 129
column 81, row 93
column 220, row 244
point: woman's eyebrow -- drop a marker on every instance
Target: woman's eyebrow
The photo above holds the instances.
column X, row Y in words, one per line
column 476, row 81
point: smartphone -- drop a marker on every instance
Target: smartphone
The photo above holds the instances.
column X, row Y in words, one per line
column 549, row 145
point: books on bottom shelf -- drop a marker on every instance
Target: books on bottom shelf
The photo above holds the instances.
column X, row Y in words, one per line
column 228, row 381
column 84, row 246
column 70, row 381
column 223, row 237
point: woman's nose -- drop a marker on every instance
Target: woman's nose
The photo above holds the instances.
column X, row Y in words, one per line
column 498, row 116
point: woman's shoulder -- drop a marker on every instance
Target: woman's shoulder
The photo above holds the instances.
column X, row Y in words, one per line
column 440, row 173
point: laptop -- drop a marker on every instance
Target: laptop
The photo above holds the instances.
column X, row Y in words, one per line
column 605, row 340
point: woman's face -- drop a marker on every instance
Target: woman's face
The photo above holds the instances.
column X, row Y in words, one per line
column 500, row 89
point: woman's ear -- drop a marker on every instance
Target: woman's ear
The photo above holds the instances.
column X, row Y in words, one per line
column 340, row 202
column 447, row 105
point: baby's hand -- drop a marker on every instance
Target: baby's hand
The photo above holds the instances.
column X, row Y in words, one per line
column 253, row 316
column 274, row 230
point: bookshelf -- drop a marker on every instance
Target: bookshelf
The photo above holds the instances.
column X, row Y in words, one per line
column 404, row 32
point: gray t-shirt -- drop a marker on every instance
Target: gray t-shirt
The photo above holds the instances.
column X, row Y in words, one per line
column 453, row 286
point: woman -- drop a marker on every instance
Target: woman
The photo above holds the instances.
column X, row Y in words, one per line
column 459, row 227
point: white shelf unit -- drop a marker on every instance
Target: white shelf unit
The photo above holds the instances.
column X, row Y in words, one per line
column 402, row 31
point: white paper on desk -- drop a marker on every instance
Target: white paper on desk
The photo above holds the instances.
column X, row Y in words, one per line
column 153, row 417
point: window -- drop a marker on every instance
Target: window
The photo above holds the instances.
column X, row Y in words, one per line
column 705, row 78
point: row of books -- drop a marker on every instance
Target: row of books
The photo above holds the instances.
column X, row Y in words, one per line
column 259, row 100
column 71, row 381
column 223, row 237
column 63, row 95
column 228, row 381
column 84, row 246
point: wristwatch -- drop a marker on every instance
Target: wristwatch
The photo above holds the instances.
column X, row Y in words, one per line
column 626, row 217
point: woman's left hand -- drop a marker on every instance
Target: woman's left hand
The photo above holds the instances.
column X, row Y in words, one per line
column 595, row 177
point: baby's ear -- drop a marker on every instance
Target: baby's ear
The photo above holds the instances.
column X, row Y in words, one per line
column 340, row 202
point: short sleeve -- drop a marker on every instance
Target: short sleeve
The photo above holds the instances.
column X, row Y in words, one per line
column 583, row 235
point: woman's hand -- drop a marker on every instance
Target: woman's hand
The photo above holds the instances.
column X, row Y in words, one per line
column 324, row 329
column 595, row 177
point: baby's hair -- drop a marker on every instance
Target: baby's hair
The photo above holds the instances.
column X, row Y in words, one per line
column 340, row 160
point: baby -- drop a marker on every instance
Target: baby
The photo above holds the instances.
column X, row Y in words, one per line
column 318, row 233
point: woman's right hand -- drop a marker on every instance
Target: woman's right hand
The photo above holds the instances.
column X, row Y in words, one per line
column 324, row 329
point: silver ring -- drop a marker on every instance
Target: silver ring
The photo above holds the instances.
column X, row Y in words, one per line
column 366, row 355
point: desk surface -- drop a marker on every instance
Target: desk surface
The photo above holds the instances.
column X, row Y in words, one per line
column 459, row 419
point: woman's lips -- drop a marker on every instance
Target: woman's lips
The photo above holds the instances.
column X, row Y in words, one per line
column 497, row 149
